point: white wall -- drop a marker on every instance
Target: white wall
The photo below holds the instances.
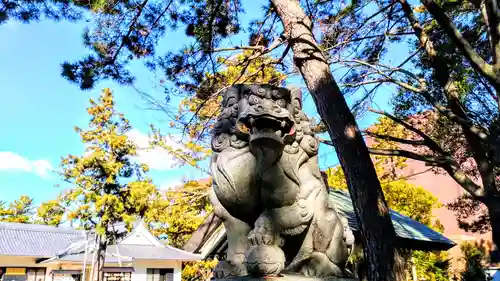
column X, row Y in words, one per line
column 141, row 266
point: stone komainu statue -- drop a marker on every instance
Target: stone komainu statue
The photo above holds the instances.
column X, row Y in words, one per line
column 268, row 189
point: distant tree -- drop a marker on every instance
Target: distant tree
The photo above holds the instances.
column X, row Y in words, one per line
column 20, row 210
column 107, row 187
column 50, row 213
column 176, row 214
column 474, row 267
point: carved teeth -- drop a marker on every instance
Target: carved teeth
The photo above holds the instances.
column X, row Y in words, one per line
column 279, row 133
column 252, row 121
column 283, row 124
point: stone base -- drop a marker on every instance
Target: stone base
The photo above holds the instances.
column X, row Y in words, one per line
column 286, row 277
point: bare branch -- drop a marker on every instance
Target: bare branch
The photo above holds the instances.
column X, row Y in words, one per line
column 391, row 138
column 382, row 72
column 427, row 140
column 430, row 159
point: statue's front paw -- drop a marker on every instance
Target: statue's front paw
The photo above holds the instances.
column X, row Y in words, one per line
column 261, row 236
column 224, row 269
column 318, row 265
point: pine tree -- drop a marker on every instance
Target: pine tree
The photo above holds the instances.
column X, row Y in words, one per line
column 19, row 211
column 107, row 186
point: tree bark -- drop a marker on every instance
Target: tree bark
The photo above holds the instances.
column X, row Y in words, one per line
column 494, row 213
column 379, row 239
column 101, row 257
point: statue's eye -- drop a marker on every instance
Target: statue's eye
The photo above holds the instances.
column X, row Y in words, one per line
column 281, row 102
column 253, row 100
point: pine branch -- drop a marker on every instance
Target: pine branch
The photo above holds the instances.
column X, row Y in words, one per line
column 129, row 32
column 462, row 44
column 428, row 141
column 433, row 160
column 391, row 138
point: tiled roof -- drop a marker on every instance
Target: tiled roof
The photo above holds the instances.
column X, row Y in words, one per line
column 42, row 241
column 63, row 243
column 133, row 252
column 404, row 226
column 158, row 251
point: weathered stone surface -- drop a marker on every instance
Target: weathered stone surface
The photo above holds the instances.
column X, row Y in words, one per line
column 287, row 277
column 269, row 191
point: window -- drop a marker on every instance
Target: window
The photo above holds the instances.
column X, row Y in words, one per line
column 36, row 274
column 22, row 274
column 160, row 274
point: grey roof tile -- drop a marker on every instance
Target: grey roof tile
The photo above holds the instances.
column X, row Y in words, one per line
column 17, row 239
column 134, row 252
column 404, row 226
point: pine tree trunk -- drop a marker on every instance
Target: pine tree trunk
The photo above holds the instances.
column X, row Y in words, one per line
column 101, row 258
column 368, row 200
column 494, row 213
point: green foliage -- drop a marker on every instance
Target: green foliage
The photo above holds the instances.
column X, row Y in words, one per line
column 27, row 11
column 401, row 196
column 51, row 213
column 474, row 268
column 176, row 214
column 107, row 187
column 198, row 271
column 126, row 30
column 432, row 266
column 19, row 211
column 196, row 114
column 179, row 211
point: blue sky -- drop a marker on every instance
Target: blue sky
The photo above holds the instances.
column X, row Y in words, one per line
column 39, row 110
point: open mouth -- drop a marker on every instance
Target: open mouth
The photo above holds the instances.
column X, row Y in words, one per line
column 266, row 126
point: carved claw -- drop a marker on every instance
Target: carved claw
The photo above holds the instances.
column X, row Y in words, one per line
column 318, row 265
column 259, row 237
column 264, row 236
column 224, row 269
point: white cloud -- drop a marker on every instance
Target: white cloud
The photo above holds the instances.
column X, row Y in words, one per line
column 156, row 158
column 10, row 161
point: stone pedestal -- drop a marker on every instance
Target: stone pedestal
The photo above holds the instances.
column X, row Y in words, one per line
column 286, row 277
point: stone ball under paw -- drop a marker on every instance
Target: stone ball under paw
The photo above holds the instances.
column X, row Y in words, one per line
column 265, row 260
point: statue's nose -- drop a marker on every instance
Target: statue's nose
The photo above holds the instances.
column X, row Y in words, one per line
column 268, row 105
